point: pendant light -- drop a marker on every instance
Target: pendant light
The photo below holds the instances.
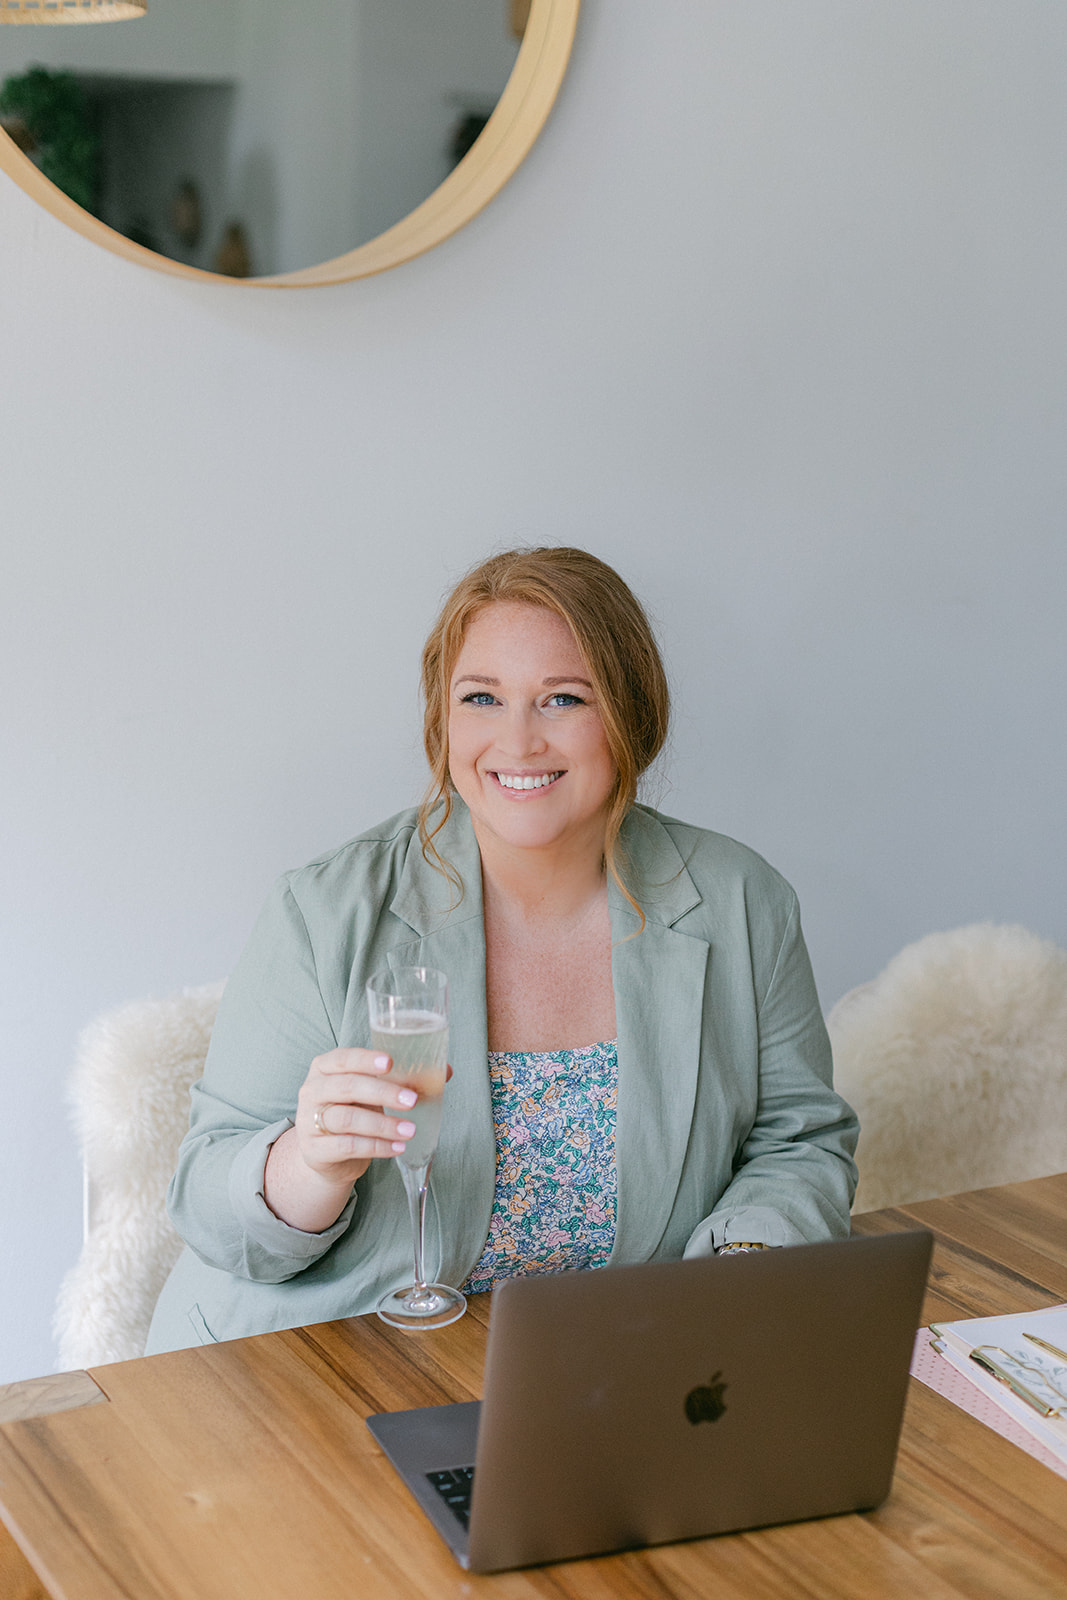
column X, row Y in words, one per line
column 71, row 10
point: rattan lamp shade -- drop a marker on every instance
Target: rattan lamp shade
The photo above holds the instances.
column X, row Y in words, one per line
column 71, row 10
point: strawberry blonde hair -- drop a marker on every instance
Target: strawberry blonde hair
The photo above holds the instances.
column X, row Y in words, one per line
column 617, row 646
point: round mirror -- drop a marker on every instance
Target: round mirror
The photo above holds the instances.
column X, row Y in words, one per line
column 282, row 142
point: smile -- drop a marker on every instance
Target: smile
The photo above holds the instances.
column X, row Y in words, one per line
column 529, row 780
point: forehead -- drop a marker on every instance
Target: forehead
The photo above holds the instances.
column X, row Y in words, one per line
column 514, row 628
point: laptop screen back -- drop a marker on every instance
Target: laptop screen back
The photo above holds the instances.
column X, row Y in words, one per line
column 638, row 1405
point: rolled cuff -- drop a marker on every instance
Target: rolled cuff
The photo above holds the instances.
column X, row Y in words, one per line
column 257, row 1219
column 752, row 1225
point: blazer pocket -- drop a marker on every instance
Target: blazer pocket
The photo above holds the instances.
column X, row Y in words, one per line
column 203, row 1333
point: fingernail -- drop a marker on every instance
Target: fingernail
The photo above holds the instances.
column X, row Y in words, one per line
column 381, row 1062
column 407, row 1097
column 398, row 1149
column 406, row 1128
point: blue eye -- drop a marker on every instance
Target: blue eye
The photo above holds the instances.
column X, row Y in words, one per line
column 478, row 697
column 563, row 701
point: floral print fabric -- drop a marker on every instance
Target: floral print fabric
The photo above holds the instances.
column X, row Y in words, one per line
column 554, row 1200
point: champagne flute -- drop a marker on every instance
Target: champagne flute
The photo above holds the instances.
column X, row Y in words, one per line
column 409, row 1021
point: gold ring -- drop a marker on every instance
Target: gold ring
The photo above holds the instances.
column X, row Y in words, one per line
column 320, row 1126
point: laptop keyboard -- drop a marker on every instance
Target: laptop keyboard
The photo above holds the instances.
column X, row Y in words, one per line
column 454, row 1485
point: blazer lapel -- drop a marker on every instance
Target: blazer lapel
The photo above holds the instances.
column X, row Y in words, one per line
column 659, row 979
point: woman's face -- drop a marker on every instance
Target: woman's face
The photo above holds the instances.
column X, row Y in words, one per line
column 527, row 748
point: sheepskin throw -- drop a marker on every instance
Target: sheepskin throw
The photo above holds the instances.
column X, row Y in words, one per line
column 955, row 1059
column 130, row 1096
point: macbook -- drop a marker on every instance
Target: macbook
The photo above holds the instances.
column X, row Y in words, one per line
column 639, row 1405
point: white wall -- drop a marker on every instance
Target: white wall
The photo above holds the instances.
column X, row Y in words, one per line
column 773, row 318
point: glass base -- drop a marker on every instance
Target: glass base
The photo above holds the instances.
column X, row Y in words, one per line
column 434, row 1305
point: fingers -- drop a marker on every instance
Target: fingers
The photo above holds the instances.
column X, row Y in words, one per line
column 342, row 1111
column 334, row 1138
column 351, row 1107
column 359, row 1122
column 337, row 1149
column 352, row 1060
column 352, row 1063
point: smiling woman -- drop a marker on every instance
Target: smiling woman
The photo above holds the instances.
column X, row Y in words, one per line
column 640, row 1065
column 328, row 140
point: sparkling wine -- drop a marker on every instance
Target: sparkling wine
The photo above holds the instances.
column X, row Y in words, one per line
column 418, row 1044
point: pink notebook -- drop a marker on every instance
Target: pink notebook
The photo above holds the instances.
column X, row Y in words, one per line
column 937, row 1374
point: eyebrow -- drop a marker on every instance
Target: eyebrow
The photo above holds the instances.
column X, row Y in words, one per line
column 494, row 683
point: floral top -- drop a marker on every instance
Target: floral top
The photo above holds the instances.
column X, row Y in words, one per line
column 554, row 1200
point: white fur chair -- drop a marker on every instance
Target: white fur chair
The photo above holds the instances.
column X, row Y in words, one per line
column 955, row 1059
column 130, row 1096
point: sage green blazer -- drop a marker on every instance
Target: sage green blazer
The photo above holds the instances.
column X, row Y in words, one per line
column 727, row 1125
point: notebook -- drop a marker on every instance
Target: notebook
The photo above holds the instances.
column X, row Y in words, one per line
column 640, row 1405
column 1025, row 1377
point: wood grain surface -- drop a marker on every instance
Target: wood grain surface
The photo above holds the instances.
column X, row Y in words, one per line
column 245, row 1469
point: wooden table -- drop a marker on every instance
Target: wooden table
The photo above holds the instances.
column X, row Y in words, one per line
column 244, row 1469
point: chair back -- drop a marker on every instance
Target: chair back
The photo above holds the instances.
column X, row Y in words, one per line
column 129, row 1092
column 955, row 1060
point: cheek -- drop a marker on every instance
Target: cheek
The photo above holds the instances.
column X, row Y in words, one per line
column 608, row 770
column 461, row 746
column 598, row 753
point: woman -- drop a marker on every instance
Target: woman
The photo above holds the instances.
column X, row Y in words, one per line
column 640, row 1065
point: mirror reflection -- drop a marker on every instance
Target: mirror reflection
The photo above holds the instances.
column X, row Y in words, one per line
column 253, row 137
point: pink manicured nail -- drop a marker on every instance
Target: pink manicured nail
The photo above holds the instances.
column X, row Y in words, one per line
column 407, row 1097
column 399, row 1149
column 381, row 1062
column 406, row 1129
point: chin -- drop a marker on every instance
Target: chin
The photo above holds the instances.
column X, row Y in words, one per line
column 524, row 830
column 530, row 836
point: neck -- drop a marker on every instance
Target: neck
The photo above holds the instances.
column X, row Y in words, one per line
column 559, row 881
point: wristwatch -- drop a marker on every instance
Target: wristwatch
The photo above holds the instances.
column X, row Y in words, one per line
column 739, row 1248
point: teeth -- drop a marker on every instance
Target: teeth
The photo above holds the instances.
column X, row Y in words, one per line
column 539, row 782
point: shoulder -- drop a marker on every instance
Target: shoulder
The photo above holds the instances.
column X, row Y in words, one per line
column 364, row 870
column 720, row 891
column 388, row 838
column 718, row 866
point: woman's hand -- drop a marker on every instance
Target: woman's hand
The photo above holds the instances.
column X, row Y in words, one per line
column 341, row 1122
column 341, row 1127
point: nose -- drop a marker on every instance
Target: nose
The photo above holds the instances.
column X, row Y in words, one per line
column 520, row 734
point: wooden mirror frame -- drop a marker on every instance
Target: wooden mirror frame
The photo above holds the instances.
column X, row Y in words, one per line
column 520, row 114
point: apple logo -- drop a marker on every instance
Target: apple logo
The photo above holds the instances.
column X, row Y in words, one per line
column 705, row 1403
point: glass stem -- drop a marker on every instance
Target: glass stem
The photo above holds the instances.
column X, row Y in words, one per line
column 416, row 1180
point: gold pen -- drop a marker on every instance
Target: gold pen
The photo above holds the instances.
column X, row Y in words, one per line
column 984, row 1356
column 1061, row 1355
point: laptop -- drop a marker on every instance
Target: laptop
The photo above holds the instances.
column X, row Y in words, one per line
column 640, row 1405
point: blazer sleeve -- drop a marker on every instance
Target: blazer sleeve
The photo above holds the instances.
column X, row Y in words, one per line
column 272, row 1022
column 794, row 1175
